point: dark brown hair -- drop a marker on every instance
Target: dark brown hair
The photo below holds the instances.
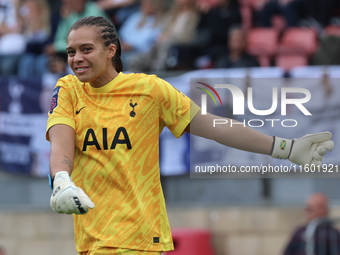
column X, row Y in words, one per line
column 108, row 35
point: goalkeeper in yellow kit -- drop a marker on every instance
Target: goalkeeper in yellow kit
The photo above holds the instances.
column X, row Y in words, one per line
column 104, row 131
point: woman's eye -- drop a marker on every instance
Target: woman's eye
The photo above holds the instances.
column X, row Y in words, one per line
column 87, row 49
column 70, row 53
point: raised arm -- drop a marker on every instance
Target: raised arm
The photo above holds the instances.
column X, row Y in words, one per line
column 62, row 139
column 306, row 150
column 237, row 136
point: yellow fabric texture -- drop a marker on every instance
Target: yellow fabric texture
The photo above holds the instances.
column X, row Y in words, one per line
column 118, row 251
column 116, row 159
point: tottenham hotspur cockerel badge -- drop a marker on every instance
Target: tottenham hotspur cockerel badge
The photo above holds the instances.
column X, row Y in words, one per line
column 133, row 105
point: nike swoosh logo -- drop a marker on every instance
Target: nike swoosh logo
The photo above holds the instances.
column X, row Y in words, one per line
column 78, row 111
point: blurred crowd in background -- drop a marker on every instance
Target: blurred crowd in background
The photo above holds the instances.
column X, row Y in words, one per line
column 162, row 35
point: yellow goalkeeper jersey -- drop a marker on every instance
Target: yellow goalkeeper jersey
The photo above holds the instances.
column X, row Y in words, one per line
column 116, row 159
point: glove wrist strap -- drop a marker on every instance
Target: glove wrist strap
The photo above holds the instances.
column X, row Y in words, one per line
column 50, row 180
column 281, row 148
column 62, row 174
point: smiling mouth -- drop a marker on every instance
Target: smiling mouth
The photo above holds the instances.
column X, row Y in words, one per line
column 81, row 69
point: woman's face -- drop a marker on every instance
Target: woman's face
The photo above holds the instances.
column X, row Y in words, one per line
column 88, row 57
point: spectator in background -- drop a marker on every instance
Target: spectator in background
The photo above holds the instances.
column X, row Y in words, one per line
column 36, row 21
column 226, row 15
column 237, row 57
column 291, row 10
column 266, row 9
column 328, row 52
column 71, row 11
column 140, row 32
column 180, row 28
column 310, row 13
column 205, row 6
column 55, row 7
column 325, row 235
column 210, row 40
column 12, row 41
column 57, row 68
column 119, row 10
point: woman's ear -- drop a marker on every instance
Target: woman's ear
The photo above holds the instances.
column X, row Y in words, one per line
column 112, row 48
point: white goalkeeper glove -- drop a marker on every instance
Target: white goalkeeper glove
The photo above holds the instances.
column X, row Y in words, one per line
column 67, row 197
column 306, row 150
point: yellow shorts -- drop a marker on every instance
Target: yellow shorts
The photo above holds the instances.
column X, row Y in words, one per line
column 118, row 251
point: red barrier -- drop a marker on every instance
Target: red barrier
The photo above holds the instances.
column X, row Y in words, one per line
column 191, row 242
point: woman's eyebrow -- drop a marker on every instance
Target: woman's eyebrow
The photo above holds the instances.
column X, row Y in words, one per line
column 85, row 44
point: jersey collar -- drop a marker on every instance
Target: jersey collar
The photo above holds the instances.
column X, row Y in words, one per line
column 107, row 87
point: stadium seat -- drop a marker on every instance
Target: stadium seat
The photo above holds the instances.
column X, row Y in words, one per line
column 298, row 41
column 191, row 242
column 263, row 43
column 264, row 61
column 332, row 30
column 287, row 62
